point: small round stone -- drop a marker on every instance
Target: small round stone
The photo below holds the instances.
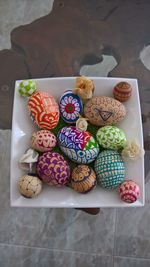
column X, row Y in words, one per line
column 122, row 91
column 27, row 87
column 83, row 179
column 29, row 186
column 111, row 137
column 129, row 191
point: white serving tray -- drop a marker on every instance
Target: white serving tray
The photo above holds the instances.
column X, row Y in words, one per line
column 22, row 128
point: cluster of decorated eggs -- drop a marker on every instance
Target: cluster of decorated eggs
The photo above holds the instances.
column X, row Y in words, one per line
column 75, row 143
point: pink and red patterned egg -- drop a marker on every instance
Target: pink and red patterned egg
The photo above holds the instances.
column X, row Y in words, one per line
column 129, row 191
column 43, row 141
column 44, row 110
column 53, row 169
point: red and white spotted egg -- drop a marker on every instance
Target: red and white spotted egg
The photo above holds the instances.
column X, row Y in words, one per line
column 44, row 110
column 129, row 191
column 43, row 141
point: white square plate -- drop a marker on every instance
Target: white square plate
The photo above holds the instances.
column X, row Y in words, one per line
column 22, row 128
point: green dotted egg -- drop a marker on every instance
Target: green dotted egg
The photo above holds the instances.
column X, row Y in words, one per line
column 27, row 87
column 109, row 168
column 111, row 137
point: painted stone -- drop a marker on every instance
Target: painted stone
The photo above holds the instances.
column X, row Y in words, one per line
column 53, row 169
column 103, row 110
column 83, row 179
column 110, row 169
column 79, row 146
column 43, row 141
column 111, row 137
column 129, row 191
column 70, row 107
column 44, row 110
column 122, row 91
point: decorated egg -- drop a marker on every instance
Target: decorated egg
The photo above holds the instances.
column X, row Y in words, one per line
column 129, row 191
column 83, row 179
column 44, row 110
column 109, row 168
column 43, row 141
column 79, row 146
column 70, row 106
column 111, row 137
column 103, row 110
column 53, row 169
column 122, row 91
column 29, row 186
column 27, row 87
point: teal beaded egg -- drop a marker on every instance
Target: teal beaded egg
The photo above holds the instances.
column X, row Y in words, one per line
column 111, row 137
column 27, row 87
column 110, row 169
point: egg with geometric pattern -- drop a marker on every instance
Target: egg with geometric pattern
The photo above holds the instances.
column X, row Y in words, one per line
column 29, row 186
column 53, row 169
column 110, row 169
column 129, row 191
column 43, row 141
column 44, row 110
column 111, row 137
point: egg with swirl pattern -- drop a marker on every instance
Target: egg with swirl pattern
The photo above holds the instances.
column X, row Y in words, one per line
column 53, row 169
column 44, row 110
column 78, row 146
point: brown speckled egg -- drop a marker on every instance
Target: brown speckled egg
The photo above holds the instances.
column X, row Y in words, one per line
column 129, row 191
column 122, row 91
column 43, row 141
column 83, row 179
column 29, row 186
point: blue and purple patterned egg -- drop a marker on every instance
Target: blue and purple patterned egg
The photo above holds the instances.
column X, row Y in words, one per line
column 70, row 107
column 78, row 146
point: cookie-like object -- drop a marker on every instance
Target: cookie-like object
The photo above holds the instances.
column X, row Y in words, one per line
column 103, row 110
column 83, row 179
column 122, row 91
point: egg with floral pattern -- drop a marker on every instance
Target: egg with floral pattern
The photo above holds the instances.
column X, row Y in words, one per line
column 53, row 169
column 78, row 146
column 129, row 191
column 70, row 107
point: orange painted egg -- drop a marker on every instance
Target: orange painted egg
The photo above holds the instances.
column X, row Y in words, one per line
column 44, row 110
column 122, row 91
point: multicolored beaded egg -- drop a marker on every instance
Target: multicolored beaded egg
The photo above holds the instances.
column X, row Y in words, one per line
column 79, row 146
column 29, row 186
column 129, row 191
column 70, row 106
column 83, row 179
column 111, row 137
column 44, row 110
column 110, row 169
column 43, row 141
column 122, row 91
column 27, row 87
column 53, row 169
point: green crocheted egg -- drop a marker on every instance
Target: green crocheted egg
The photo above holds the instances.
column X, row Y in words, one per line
column 109, row 168
column 27, row 87
column 111, row 137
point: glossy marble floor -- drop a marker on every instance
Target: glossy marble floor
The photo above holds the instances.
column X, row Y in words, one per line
column 67, row 237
